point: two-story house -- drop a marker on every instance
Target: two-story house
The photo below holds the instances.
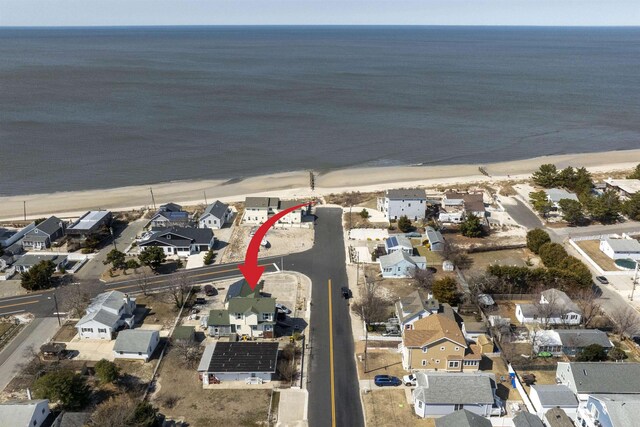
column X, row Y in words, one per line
column 215, row 216
column 554, row 308
column 436, row 343
column 258, row 210
column 409, row 202
column 43, row 235
column 610, row 410
column 455, row 206
column 413, row 307
column 253, row 317
column 107, row 313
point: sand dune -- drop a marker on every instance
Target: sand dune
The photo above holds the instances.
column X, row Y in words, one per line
column 296, row 184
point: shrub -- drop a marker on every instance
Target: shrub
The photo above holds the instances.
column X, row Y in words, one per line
column 106, row 371
column 536, row 238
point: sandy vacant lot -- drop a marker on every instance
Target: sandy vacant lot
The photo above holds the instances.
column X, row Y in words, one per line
column 282, row 241
column 389, row 407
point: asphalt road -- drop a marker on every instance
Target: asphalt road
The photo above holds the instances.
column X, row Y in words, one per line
column 323, row 263
column 42, row 304
column 523, row 215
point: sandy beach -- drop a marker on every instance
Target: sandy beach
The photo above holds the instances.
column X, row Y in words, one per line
column 296, row 184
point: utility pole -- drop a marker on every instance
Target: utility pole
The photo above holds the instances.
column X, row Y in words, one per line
column 153, row 200
column 635, row 280
column 205, row 198
column 55, row 301
column 312, row 180
column 24, row 209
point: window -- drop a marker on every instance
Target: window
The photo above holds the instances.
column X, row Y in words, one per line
column 420, row 404
column 470, row 363
column 87, row 329
column 442, row 348
column 424, row 363
column 454, row 364
column 437, row 361
column 239, row 316
column 139, row 353
column 458, row 407
column 457, row 349
column 102, row 330
column 424, row 349
column 266, row 316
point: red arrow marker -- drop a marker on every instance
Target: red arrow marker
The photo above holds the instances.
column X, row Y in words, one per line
column 250, row 269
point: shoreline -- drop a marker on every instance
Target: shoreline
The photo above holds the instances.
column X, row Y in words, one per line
column 296, row 184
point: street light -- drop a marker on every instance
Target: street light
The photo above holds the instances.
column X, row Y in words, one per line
column 55, row 301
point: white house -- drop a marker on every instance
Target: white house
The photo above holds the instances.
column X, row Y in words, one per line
column 613, row 410
column 27, row 261
column 624, row 187
column 180, row 241
column 215, row 216
column 170, row 215
column 136, row 344
column 252, row 317
column 463, row 418
column 398, row 243
column 554, row 195
column 439, row 394
column 456, row 206
column 554, row 308
column 294, row 217
column 24, row 413
column 107, row 313
column 409, row 202
column 249, row 361
column 413, row 307
column 399, row 264
column 258, row 210
column 545, row 397
column 587, row 378
column 626, row 248
column 569, row 341
column 436, row 241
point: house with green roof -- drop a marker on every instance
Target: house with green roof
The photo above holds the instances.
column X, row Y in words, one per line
column 218, row 324
column 252, row 316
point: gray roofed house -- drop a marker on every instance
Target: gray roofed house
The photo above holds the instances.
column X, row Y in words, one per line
column 527, row 419
column 406, row 193
column 170, row 215
column 215, row 215
column 555, row 307
column 409, row 202
column 44, row 234
column 554, row 195
column 89, row 223
column 620, row 248
column 398, row 243
column 556, row 417
column 238, row 361
column 25, row 262
column 612, row 410
column 261, row 202
column 462, row 418
column 72, row 419
column 436, row 241
column 413, row 307
column 599, row 377
column 440, row 393
column 136, row 344
column 400, row 264
column 107, row 312
column 583, row 337
column 24, row 413
column 547, row 396
column 181, row 241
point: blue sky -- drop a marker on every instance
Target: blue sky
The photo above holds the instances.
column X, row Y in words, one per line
column 322, row 12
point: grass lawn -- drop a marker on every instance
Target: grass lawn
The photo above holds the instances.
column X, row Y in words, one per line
column 592, row 248
column 161, row 309
column 389, row 407
column 66, row 332
column 202, row 408
column 380, row 363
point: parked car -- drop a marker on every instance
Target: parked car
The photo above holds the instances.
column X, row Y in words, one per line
column 210, row 290
column 409, row 380
column 346, row 292
column 386, row 381
column 201, row 300
column 602, row 280
column 282, row 308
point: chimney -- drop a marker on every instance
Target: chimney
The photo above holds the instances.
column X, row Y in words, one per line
column 28, row 394
column 127, row 300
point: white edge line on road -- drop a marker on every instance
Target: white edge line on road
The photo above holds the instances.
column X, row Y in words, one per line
column 18, row 298
column 276, row 266
column 11, row 312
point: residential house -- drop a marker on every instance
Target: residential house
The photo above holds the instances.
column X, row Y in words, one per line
column 108, row 312
column 24, row 413
column 626, row 248
column 439, row 394
column 436, row 343
column 610, row 410
column 400, row 264
column 184, row 334
column 473, row 330
column 554, row 195
column 462, row 418
column 457, row 206
column 25, row 262
column 72, row 419
column 554, row 308
column 10, row 255
column 91, row 223
column 43, row 235
column 409, row 202
column 297, row 215
column 180, row 241
column 570, row 342
column 241, row 288
column 556, row 417
column 436, row 241
column 588, row 378
column 413, row 307
column 252, row 317
column 170, row 215
column 526, row 419
column 10, row 237
column 548, row 396
column 624, row 187
column 252, row 362
column 215, row 216
column 136, row 344
column 398, row 243
column 257, row 210
column 219, row 325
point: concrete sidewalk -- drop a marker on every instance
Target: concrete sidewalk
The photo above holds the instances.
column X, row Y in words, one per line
column 36, row 333
column 292, row 410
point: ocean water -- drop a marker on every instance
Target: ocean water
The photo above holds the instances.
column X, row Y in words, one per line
column 99, row 108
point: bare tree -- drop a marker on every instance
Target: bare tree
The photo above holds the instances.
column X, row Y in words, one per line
column 189, row 351
column 180, row 288
column 287, row 370
column 370, row 308
column 115, row 412
column 586, row 299
column 548, row 308
column 143, row 280
column 625, row 320
column 423, row 278
column 457, row 256
column 76, row 302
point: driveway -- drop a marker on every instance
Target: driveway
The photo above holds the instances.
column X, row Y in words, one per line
column 292, row 411
column 521, row 213
column 92, row 349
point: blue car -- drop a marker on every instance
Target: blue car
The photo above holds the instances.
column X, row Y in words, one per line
column 386, row 380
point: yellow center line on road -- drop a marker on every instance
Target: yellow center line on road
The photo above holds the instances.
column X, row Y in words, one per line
column 333, row 390
column 19, row 303
column 163, row 280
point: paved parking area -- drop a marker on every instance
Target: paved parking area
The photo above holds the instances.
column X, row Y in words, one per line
column 292, row 410
column 92, row 349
